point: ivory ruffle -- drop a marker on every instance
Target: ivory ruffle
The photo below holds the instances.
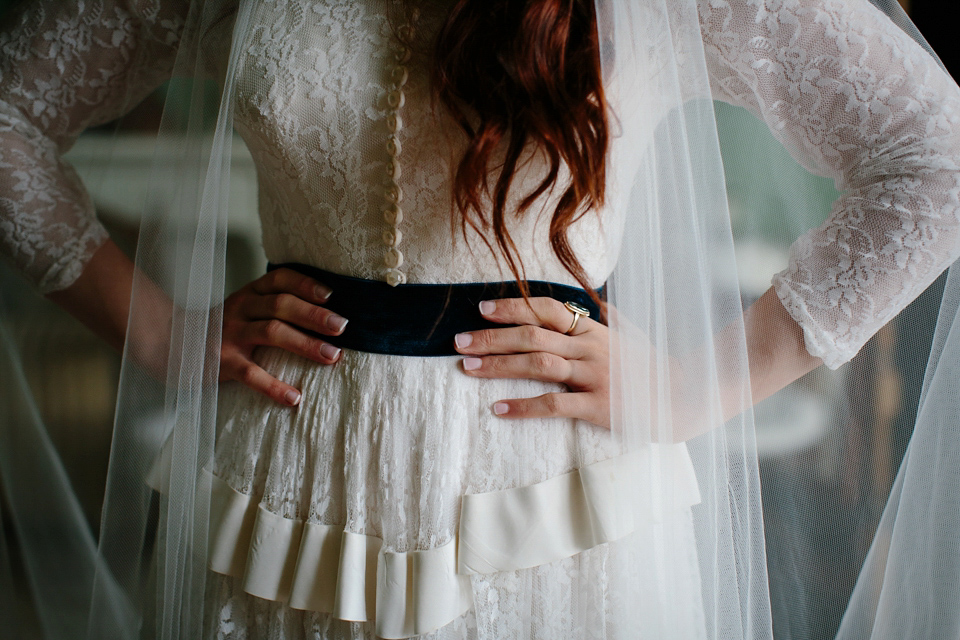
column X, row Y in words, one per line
column 563, row 516
column 323, row 568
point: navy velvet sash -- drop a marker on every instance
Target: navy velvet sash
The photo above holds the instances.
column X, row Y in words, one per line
column 419, row 319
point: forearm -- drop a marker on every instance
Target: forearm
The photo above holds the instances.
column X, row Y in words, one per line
column 100, row 299
column 776, row 352
column 776, row 356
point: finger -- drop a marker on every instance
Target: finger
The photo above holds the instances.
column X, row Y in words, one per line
column 522, row 339
column 252, row 375
column 289, row 281
column 549, row 405
column 542, row 312
column 296, row 311
column 276, row 333
column 546, row 367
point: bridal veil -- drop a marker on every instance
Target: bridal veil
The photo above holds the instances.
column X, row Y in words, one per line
column 685, row 482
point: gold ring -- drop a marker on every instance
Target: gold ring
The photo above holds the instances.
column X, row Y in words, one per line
column 577, row 311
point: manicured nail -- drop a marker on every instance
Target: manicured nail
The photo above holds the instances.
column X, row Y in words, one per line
column 322, row 292
column 469, row 364
column 336, row 323
column 501, row 408
column 329, row 352
column 463, row 340
column 292, row 397
column 487, row 307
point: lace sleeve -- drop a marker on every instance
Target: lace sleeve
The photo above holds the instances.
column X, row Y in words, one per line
column 855, row 99
column 65, row 66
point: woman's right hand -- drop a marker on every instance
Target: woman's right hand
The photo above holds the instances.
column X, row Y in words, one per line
column 274, row 310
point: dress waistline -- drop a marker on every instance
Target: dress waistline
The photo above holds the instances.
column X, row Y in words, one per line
column 420, row 319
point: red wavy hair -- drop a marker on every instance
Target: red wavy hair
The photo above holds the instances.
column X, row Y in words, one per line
column 515, row 73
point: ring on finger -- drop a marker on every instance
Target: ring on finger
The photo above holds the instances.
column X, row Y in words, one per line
column 577, row 311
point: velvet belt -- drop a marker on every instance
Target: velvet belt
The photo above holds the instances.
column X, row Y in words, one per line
column 420, row 319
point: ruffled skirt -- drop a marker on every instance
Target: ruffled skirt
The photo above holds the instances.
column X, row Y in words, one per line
column 340, row 518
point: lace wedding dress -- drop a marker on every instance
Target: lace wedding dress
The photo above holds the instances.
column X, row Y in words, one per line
column 315, row 508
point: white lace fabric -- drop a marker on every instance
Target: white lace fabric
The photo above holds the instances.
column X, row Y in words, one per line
column 855, row 99
column 841, row 86
column 312, row 107
column 63, row 68
column 386, row 446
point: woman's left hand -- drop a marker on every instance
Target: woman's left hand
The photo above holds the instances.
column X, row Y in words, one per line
column 538, row 349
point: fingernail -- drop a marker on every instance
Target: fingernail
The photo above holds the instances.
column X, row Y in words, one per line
column 322, row 292
column 469, row 364
column 463, row 340
column 336, row 323
column 292, row 397
column 329, row 352
column 487, row 307
column 501, row 408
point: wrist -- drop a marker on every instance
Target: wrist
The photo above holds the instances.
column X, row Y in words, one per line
column 776, row 351
column 100, row 296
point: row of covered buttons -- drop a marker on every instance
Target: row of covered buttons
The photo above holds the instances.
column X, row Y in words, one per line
column 393, row 194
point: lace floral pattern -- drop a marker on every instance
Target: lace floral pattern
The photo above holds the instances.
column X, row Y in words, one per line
column 386, row 446
column 853, row 98
column 65, row 67
column 312, row 107
column 843, row 88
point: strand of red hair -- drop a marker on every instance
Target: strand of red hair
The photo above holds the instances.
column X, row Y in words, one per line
column 516, row 75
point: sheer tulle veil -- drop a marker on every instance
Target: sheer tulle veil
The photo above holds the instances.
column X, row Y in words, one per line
column 684, row 501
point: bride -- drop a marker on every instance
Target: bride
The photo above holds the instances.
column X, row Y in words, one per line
column 496, row 382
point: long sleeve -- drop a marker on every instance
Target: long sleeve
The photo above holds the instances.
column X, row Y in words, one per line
column 853, row 98
column 65, row 66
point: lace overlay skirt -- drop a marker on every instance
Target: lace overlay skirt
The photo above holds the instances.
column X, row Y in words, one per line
column 384, row 447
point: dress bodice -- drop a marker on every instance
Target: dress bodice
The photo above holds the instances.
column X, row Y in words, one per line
column 848, row 93
column 313, row 109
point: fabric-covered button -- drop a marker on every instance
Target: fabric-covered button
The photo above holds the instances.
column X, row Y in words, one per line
column 393, row 258
column 399, row 75
column 393, row 169
column 393, row 215
column 395, row 277
column 394, row 148
column 396, row 99
column 405, row 33
column 392, row 237
column 393, row 194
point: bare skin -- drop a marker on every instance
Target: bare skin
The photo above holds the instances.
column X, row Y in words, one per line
column 100, row 297
column 538, row 349
column 272, row 311
column 275, row 309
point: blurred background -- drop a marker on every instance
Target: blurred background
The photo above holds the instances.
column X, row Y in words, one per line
column 829, row 445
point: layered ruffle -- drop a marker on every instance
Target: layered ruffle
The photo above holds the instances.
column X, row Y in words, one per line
column 324, row 568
